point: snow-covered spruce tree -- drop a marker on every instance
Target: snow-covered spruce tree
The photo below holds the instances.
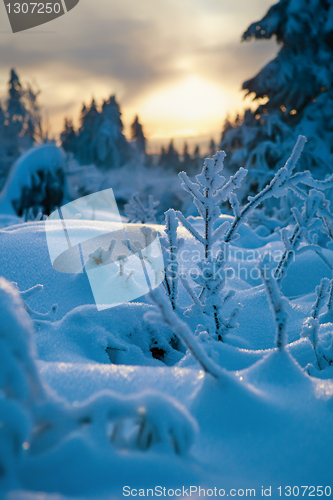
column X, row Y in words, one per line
column 68, row 137
column 100, row 139
column 170, row 158
column 20, row 122
column 111, row 146
column 4, row 159
column 212, row 148
column 187, row 162
column 139, row 140
column 87, row 133
column 295, row 90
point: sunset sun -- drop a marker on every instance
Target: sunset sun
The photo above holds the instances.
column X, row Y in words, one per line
column 188, row 107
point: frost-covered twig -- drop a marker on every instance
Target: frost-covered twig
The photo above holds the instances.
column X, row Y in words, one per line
column 34, row 314
column 275, row 188
column 304, row 221
column 311, row 325
column 137, row 212
column 277, row 303
column 166, row 315
column 210, row 190
column 321, row 292
column 171, row 245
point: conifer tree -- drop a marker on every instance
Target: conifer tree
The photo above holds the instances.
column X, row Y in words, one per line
column 294, row 91
column 20, row 128
column 173, row 156
column 100, row 139
column 3, row 146
column 170, row 158
column 212, row 148
column 111, row 146
column 20, row 122
column 138, row 137
column 187, row 163
column 16, row 111
column 68, row 137
column 162, row 158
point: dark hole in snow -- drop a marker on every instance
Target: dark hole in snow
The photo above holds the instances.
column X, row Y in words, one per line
column 113, row 354
column 177, row 345
column 157, row 353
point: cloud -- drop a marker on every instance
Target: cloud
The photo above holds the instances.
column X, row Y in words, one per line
column 133, row 47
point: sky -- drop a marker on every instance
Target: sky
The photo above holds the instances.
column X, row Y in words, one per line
column 178, row 64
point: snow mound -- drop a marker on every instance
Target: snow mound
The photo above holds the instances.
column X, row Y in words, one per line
column 47, row 157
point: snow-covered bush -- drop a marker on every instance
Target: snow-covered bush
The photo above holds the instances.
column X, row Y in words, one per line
column 208, row 192
column 207, row 289
column 35, row 182
column 136, row 211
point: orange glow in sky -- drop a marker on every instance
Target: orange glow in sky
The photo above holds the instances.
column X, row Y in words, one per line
column 179, row 65
column 191, row 106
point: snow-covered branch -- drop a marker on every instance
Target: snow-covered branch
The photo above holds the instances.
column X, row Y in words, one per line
column 277, row 303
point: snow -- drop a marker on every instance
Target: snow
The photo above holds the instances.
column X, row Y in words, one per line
column 269, row 426
column 221, row 377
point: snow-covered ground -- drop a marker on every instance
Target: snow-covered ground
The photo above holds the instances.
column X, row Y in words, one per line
column 268, row 424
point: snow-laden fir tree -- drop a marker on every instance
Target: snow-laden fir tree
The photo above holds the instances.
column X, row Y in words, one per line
column 212, row 148
column 112, row 148
column 20, row 122
column 138, row 138
column 4, row 160
column 100, row 139
column 68, row 137
column 87, row 133
column 170, row 158
column 294, row 93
